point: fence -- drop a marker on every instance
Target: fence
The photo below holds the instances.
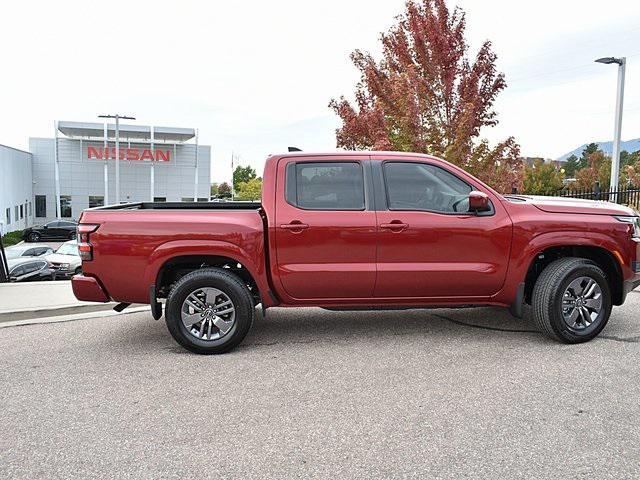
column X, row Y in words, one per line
column 623, row 195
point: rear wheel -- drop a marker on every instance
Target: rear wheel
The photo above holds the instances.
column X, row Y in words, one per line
column 34, row 237
column 572, row 300
column 209, row 311
column 72, row 235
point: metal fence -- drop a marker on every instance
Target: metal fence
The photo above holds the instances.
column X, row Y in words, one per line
column 625, row 195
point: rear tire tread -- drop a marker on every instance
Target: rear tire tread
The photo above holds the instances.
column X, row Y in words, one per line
column 172, row 320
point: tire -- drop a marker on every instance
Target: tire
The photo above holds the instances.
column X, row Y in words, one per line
column 78, row 271
column 33, row 237
column 209, row 280
column 554, row 292
column 72, row 235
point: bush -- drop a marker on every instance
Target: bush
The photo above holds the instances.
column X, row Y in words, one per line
column 12, row 238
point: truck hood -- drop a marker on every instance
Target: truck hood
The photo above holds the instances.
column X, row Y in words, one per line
column 573, row 205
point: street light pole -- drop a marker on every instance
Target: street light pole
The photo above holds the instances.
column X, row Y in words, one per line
column 117, row 117
column 615, row 154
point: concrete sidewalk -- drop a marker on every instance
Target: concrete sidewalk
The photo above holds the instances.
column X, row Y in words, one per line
column 19, row 301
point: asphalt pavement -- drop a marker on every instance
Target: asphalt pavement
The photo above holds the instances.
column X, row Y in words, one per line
column 318, row 394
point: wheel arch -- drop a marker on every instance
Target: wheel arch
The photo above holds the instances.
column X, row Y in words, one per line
column 601, row 256
column 172, row 260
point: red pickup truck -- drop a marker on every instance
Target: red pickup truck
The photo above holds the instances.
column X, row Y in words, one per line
column 358, row 230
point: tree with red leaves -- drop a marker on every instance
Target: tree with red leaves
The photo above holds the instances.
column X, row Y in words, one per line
column 426, row 96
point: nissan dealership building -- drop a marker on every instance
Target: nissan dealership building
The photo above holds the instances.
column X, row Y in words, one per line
column 76, row 169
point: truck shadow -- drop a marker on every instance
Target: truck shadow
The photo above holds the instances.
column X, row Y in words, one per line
column 310, row 325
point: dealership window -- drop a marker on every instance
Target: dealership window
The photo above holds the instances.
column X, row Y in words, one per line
column 96, row 201
column 187, row 199
column 21, row 212
column 65, row 206
column 30, row 209
column 202, row 199
column 325, row 186
column 8, row 215
column 17, row 215
column 41, row 206
column 159, row 199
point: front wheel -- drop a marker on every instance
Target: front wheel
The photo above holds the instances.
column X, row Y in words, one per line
column 572, row 300
column 34, row 237
column 209, row 311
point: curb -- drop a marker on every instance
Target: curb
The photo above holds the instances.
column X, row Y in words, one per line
column 75, row 316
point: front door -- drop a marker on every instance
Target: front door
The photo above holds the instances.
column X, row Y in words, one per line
column 429, row 245
column 325, row 229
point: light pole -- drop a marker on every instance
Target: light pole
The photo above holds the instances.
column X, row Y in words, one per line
column 117, row 118
column 615, row 154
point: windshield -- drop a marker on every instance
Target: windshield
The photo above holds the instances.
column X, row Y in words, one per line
column 68, row 249
column 13, row 253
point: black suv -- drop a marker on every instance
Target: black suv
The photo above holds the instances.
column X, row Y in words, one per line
column 62, row 229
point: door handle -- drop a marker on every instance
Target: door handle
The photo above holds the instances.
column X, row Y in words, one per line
column 395, row 225
column 294, row 226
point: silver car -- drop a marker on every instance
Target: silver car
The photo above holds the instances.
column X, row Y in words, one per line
column 18, row 251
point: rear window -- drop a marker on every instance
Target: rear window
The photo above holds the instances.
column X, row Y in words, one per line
column 325, row 185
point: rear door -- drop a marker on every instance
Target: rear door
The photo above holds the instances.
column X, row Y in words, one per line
column 325, row 228
column 430, row 245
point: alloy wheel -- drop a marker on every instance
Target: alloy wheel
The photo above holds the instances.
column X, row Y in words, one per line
column 581, row 303
column 208, row 313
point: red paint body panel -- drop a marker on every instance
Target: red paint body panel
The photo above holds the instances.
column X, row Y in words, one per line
column 352, row 257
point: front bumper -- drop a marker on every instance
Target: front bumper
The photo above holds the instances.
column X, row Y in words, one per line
column 88, row 289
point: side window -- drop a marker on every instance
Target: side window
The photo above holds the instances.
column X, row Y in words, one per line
column 17, row 271
column 31, row 252
column 31, row 267
column 325, row 185
column 420, row 186
column 52, row 225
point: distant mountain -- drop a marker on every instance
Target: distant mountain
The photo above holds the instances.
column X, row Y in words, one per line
column 630, row 146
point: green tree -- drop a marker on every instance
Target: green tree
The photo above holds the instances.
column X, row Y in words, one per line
column 241, row 175
column 214, row 189
column 584, row 158
column 249, row 190
column 571, row 166
column 542, row 178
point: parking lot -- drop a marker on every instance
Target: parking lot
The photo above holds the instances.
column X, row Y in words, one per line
column 312, row 393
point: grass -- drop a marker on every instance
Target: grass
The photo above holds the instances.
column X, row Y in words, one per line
column 12, row 238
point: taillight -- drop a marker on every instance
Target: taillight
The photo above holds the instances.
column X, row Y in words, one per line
column 84, row 245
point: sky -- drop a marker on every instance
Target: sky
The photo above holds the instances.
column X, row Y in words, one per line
column 256, row 77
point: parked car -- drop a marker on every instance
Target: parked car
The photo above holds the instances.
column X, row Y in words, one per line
column 58, row 229
column 29, row 269
column 358, row 230
column 18, row 251
column 66, row 261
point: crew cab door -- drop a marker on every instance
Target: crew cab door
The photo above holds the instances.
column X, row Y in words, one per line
column 325, row 228
column 429, row 245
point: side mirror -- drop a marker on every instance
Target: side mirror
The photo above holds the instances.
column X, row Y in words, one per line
column 45, row 227
column 479, row 202
column 13, row 279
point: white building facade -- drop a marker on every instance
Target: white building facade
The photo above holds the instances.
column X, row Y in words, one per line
column 76, row 169
column 16, row 190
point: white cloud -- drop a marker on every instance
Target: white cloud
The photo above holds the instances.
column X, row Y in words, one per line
column 256, row 77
